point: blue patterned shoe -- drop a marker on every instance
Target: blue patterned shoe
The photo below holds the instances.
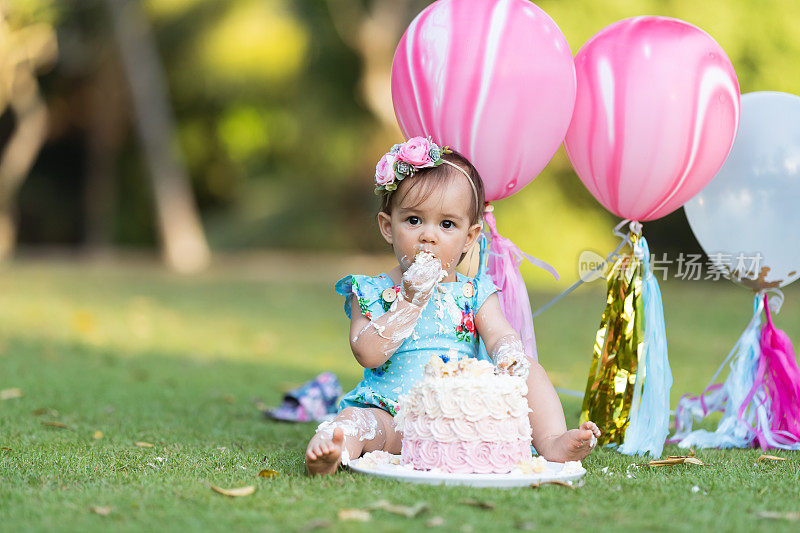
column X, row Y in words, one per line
column 313, row 401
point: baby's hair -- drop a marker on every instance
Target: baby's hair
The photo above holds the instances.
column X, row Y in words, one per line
column 428, row 180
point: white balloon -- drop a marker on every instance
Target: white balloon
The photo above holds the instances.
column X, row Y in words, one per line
column 747, row 219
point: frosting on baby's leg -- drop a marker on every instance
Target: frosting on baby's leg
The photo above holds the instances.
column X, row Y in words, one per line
column 358, row 424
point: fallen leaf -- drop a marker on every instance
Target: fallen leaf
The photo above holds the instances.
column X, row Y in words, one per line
column 142, row 444
column 267, row 473
column 228, row 398
column 409, row 512
column 45, row 411
column 559, row 483
column 239, row 491
column 780, row 516
column 6, row 448
column 316, row 524
column 771, row 458
column 97, row 435
column 676, row 460
column 102, row 510
column 479, row 504
column 356, row 515
column 56, row 425
column 11, row 394
column 435, row 521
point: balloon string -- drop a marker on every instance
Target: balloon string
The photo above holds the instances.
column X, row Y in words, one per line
column 491, row 223
column 634, row 228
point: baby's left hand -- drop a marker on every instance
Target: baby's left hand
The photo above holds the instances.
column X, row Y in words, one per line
column 515, row 364
column 509, row 357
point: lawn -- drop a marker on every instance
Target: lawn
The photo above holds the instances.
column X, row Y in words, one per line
column 185, row 364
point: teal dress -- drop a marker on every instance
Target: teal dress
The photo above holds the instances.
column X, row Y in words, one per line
column 445, row 328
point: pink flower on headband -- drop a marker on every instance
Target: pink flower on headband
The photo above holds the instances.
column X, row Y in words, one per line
column 384, row 170
column 416, row 151
column 403, row 160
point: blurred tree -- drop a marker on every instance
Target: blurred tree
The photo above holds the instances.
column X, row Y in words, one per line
column 373, row 30
column 26, row 48
column 183, row 241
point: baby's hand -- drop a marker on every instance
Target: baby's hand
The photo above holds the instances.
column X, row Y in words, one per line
column 515, row 365
column 420, row 279
column 509, row 357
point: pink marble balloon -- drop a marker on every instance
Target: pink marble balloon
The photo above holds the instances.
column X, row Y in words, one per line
column 493, row 79
column 656, row 114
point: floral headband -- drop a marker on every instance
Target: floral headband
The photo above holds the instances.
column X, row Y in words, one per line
column 404, row 159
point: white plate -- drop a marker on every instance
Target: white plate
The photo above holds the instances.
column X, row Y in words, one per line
column 552, row 472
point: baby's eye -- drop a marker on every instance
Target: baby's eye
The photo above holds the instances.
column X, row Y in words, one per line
column 413, row 220
column 447, row 224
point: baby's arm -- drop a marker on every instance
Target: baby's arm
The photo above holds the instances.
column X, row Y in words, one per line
column 549, row 428
column 547, row 418
column 502, row 342
column 374, row 341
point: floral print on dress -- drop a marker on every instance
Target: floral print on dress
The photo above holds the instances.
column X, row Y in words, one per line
column 381, row 370
column 369, row 397
column 363, row 303
column 465, row 332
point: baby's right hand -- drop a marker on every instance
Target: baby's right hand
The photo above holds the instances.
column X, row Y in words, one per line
column 420, row 279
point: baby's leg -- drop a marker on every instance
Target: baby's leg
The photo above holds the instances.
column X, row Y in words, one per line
column 353, row 432
column 550, row 436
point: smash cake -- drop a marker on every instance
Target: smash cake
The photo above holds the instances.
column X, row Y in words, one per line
column 463, row 417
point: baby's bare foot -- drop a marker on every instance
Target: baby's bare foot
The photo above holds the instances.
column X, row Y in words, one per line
column 324, row 453
column 574, row 445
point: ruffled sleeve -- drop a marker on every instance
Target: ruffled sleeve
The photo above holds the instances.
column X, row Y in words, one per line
column 484, row 288
column 367, row 291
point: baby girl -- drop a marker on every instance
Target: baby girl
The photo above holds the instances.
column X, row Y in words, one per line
column 431, row 210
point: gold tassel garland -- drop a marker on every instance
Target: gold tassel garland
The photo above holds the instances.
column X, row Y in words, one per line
column 618, row 345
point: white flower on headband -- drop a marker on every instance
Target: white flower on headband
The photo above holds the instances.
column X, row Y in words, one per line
column 404, row 159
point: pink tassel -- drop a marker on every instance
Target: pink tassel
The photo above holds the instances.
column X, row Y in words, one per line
column 782, row 379
column 503, row 266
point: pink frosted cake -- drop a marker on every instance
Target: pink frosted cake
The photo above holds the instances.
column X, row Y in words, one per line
column 464, row 418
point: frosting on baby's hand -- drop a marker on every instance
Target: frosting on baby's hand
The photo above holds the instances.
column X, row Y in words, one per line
column 509, row 356
column 419, row 281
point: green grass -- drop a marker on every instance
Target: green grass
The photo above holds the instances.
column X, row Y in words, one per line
column 183, row 363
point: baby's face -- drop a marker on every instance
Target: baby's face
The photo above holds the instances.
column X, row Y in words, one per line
column 440, row 225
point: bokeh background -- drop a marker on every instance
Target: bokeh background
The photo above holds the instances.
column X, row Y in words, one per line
column 183, row 126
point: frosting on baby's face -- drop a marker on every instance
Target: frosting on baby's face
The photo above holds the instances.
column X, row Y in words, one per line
column 439, row 224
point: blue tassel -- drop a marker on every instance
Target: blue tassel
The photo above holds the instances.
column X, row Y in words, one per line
column 649, row 424
column 732, row 431
column 483, row 256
